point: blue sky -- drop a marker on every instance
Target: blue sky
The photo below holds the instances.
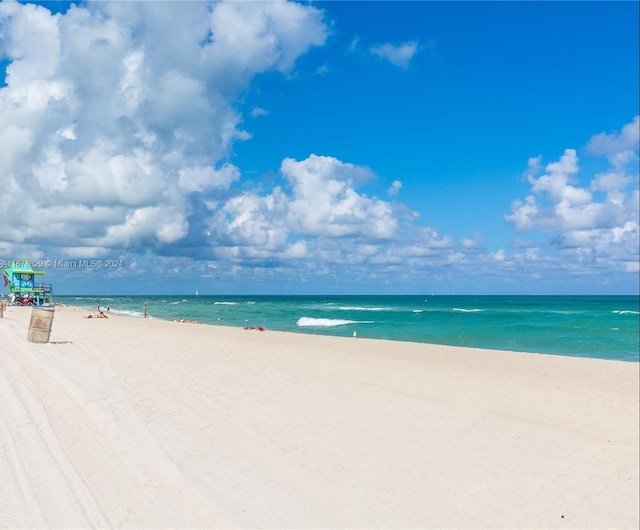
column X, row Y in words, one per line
column 328, row 147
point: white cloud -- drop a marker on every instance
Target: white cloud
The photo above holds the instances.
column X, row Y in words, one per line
column 33, row 36
column 588, row 226
column 124, row 113
column 251, row 37
column 398, row 55
column 325, row 202
column 473, row 245
column 253, row 221
column 200, row 179
column 117, row 127
column 258, row 111
column 396, row 186
column 624, row 141
column 146, row 227
column 321, row 203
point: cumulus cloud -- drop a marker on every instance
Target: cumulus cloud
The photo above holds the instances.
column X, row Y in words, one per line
column 320, row 202
column 397, row 54
column 117, row 138
column 621, row 148
column 395, row 188
column 596, row 221
column 200, row 179
column 324, row 200
column 626, row 140
column 124, row 112
column 117, row 127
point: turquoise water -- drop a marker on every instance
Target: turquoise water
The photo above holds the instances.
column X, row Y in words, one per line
column 604, row 327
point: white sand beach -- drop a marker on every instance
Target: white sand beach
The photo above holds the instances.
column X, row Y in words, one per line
column 139, row 423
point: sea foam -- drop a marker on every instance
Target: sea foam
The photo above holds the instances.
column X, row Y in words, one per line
column 360, row 308
column 327, row 322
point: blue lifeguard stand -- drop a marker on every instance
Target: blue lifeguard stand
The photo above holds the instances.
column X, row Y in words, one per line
column 20, row 278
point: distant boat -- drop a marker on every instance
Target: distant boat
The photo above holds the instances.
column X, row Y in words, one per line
column 196, row 292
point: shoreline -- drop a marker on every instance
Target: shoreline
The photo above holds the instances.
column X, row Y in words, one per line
column 153, row 423
column 630, row 358
column 429, row 345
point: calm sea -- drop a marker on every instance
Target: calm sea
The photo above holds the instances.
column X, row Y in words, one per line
column 604, row 327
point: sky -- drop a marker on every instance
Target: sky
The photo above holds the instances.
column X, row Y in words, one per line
column 273, row 147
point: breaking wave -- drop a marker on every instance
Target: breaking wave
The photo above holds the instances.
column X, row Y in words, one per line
column 359, row 308
column 327, row 322
column 126, row 312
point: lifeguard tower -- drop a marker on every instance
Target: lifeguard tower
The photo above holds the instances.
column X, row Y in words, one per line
column 20, row 278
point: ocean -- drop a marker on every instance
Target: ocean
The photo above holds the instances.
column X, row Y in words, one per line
column 603, row 327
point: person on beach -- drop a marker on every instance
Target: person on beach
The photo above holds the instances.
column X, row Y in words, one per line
column 99, row 315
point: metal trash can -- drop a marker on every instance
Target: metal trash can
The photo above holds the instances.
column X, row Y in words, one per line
column 40, row 325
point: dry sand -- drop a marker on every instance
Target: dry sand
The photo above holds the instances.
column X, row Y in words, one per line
column 139, row 423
